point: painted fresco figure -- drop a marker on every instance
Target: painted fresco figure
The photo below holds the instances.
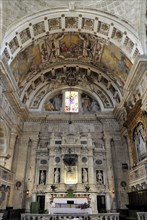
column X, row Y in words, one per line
column 57, row 103
column 86, row 103
column 94, row 107
column 49, row 106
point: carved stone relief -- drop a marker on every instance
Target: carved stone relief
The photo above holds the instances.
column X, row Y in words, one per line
column 25, row 35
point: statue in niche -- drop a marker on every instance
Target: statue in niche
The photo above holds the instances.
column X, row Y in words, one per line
column 94, row 107
column 56, row 175
column 57, row 102
column 85, row 175
column 42, row 177
column 99, row 176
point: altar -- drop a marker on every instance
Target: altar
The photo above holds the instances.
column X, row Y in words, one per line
column 70, row 206
column 70, row 211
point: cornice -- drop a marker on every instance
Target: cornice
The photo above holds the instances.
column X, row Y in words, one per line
column 64, row 117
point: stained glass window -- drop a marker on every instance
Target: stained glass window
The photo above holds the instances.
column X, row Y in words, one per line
column 71, row 101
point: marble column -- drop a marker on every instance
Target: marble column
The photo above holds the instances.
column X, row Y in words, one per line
column 130, row 150
column 21, row 170
column 80, row 101
column 109, row 175
column 11, row 194
column 10, row 152
column 79, row 170
column 36, row 171
column 14, row 168
column 79, row 174
column 108, row 202
column 31, row 168
column 51, row 168
column 90, row 168
column 62, row 171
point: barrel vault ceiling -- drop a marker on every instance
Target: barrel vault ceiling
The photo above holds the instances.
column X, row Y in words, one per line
column 60, row 49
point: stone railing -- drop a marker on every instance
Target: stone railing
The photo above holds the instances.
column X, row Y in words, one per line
column 100, row 216
column 1, row 216
column 142, row 215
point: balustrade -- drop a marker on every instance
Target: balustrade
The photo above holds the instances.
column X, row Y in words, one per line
column 1, row 216
column 100, row 216
column 142, row 215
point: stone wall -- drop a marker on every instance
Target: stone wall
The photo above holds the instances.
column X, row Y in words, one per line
column 39, row 143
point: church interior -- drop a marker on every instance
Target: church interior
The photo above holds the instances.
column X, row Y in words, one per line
column 73, row 106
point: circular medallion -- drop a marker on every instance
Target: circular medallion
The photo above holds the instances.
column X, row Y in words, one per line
column 84, row 159
column 57, row 159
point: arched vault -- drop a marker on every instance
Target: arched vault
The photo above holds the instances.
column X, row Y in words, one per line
column 45, row 49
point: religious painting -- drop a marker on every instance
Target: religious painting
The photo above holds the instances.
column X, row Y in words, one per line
column 139, row 137
column 54, row 104
column 49, row 48
column 116, row 62
column 71, row 175
column 26, row 64
column 71, row 46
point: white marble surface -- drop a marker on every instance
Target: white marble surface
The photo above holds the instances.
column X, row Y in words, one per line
column 69, row 210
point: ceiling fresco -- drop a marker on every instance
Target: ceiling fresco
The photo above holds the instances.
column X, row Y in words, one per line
column 25, row 64
column 116, row 62
column 70, row 47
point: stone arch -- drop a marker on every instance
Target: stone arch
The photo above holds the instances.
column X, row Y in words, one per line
column 93, row 96
column 110, row 28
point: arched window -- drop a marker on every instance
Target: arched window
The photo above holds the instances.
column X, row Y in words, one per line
column 71, row 101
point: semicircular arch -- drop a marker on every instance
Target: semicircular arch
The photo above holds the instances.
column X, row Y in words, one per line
column 101, row 24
